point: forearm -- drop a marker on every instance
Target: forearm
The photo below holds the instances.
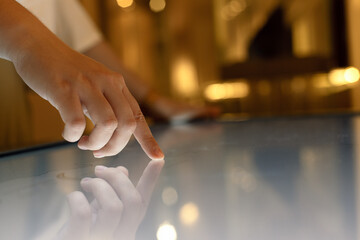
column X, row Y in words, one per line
column 103, row 53
column 22, row 34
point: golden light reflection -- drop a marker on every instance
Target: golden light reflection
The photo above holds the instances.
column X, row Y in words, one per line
column 157, row 5
column 336, row 77
column 231, row 90
column 184, row 77
column 237, row 6
column 321, row 80
column 166, row 231
column 351, row 75
column 125, row 3
column 233, row 9
column 169, row 196
column 189, row 214
column 339, row 77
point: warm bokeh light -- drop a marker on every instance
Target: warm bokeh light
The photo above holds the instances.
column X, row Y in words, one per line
column 233, row 9
column 237, row 6
column 169, row 196
column 125, row 3
column 184, row 77
column 189, row 214
column 321, row 80
column 215, row 92
column 221, row 91
column 339, row 77
column 157, row 5
column 166, row 231
column 336, row 77
column 351, row 75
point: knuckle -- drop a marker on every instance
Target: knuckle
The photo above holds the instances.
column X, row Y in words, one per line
column 64, row 87
column 119, row 79
column 82, row 212
column 139, row 116
column 130, row 124
column 63, row 91
column 109, row 124
column 87, row 84
column 76, row 124
column 113, row 78
column 80, row 77
column 82, row 82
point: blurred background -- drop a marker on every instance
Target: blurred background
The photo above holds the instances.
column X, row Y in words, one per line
column 253, row 58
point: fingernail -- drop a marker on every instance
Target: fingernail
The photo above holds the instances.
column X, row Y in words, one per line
column 82, row 147
column 100, row 168
column 160, row 154
column 98, row 155
column 85, row 179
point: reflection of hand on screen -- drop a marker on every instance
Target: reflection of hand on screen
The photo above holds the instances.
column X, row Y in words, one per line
column 118, row 206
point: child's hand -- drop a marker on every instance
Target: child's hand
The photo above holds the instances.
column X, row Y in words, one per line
column 118, row 207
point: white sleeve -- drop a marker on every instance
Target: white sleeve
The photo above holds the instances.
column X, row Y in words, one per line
column 68, row 20
column 74, row 26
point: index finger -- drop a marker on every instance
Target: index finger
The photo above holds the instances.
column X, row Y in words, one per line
column 142, row 132
column 148, row 179
column 79, row 224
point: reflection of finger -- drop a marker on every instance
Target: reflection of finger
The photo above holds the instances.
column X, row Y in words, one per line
column 109, row 207
column 94, row 206
column 124, row 170
column 126, row 123
column 142, row 133
column 71, row 113
column 78, row 226
column 120, row 183
column 104, row 119
column 133, row 205
column 148, row 179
